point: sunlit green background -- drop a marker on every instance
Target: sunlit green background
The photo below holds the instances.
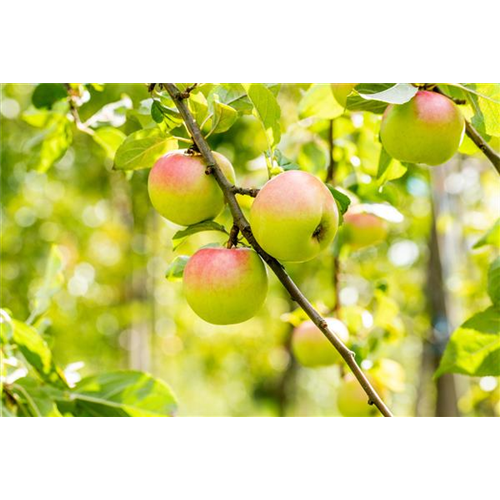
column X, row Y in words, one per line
column 117, row 310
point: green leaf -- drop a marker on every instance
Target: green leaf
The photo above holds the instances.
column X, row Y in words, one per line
column 266, row 109
column 342, row 200
column 175, row 270
column 206, row 225
column 37, row 117
column 234, row 95
column 223, row 116
column 38, row 398
column 6, row 328
column 318, row 102
column 52, row 281
column 198, row 106
column 143, row 113
column 110, row 139
column 46, row 94
column 98, row 87
column 50, row 145
column 37, row 352
column 384, row 161
column 171, row 117
column 113, row 114
column 397, row 94
column 156, row 112
column 389, row 169
column 284, row 162
column 142, row 148
column 375, row 97
column 474, row 349
column 124, row 394
column 485, row 99
column 494, row 281
column 492, row 237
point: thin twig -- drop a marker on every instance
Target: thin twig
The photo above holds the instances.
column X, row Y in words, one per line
column 332, row 165
column 253, row 192
column 73, row 107
column 277, row 268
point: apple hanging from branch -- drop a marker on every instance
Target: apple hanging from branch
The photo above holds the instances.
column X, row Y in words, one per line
column 181, row 191
column 427, row 129
column 225, row 286
column 294, row 216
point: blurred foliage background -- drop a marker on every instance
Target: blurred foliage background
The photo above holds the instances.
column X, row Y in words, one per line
column 116, row 310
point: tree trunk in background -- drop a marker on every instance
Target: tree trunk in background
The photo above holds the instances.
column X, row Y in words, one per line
column 446, row 394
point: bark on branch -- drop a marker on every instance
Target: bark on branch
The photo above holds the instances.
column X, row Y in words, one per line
column 488, row 151
column 277, row 268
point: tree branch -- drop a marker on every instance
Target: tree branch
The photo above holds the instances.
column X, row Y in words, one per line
column 488, row 151
column 253, row 192
column 277, row 268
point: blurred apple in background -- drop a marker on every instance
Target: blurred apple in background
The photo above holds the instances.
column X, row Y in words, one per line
column 312, row 348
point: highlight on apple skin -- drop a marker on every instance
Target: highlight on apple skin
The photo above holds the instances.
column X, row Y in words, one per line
column 341, row 91
column 352, row 400
column 312, row 348
column 427, row 129
column 225, row 286
column 294, row 216
column 363, row 229
column 180, row 190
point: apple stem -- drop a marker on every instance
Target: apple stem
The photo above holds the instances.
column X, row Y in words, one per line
column 233, row 237
column 244, row 226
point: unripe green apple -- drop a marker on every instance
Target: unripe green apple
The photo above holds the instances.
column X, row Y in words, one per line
column 341, row 91
column 312, row 348
column 352, row 400
column 225, row 286
column 294, row 216
column 182, row 192
column 427, row 129
column 363, row 229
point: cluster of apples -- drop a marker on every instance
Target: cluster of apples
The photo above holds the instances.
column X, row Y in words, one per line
column 293, row 218
column 427, row 129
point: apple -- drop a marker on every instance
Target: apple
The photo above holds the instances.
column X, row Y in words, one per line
column 312, row 348
column 363, row 229
column 341, row 91
column 427, row 129
column 294, row 216
column 352, row 400
column 182, row 192
column 225, row 286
